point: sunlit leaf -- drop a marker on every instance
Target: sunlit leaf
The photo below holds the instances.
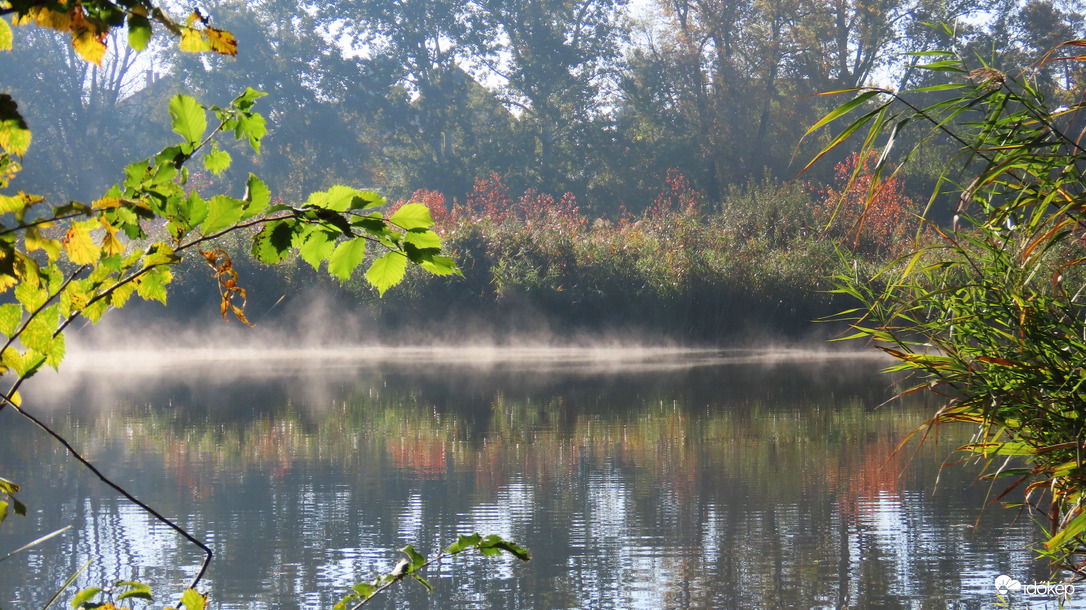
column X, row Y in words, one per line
column 319, row 247
column 496, row 542
column 252, row 127
column 387, row 271
column 423, row 240
column 347, row 256
column 111, row 245
column 193, row 41
column 136, row 590
column 221, row 41
column 364, row 590
column 11, row 314
column 245, row 100
column 38, row 334
column 78, row 244
column 188, row 118
column 151, row 286
column 222, row 212
column 272, row 244
column 14, row 133
column 139, row 31
column 192, row 600
column 257, row 196
column 217, row 161
column 89, row 44
column 5, row 36
column 440, row 265
column 85, row 596
column 412, row 216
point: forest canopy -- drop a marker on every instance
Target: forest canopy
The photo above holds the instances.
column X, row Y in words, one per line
column 598, row 98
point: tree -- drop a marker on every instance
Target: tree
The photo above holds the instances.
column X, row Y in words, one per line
column 562, row 55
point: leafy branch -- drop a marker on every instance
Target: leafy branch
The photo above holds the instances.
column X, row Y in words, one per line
column 416, row 562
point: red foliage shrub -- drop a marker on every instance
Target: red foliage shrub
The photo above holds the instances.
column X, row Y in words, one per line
column 677, row 196
column 869, row 226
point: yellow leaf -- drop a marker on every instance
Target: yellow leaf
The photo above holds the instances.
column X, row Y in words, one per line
column 46, row 18
column 193, row 41
column 79, row 245
column 110, row 244
column 35, row 241
column 107, row 203
column 221, row 41
column 5, row 36
column 89, row 44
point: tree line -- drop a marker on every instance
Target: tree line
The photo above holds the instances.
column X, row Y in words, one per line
column 599, row 98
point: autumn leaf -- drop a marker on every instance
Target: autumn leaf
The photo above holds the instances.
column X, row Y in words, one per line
column 14, row 133
column 79, row 245
column 221, row 41
column 5, row 36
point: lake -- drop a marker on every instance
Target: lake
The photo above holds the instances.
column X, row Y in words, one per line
column 636, row 478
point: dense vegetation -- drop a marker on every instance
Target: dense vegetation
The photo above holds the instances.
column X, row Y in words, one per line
column 988, row 313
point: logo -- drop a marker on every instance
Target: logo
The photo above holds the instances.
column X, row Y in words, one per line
column 1004, row 583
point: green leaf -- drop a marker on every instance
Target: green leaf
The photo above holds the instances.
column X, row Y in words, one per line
column 85, row 596
column 364, row 200
column 151, row 286
column 8, row 487
column 14, row 133
column 245, row 100
column 222, row 212
column 257, row 195
column 842, row 109
column 387, row 271
column 272, row 244
column 318, row 247
column 136, row 590
column 464, row 542
column 417, row 559
column 139, row 31
column 252, row 127
column 3, row 511
column 423, row 240
column 188, row 117
column 338, row 198
column 38, row 334
column 440, row 265
column 422, row 580
column 497, row 543
column 56, row 352
column 217, row 161
column 364, row 590
column 10, row 316
column 347, row 256
column 193, row 209
column 1069, row 533
column 32, row 297
column 412, row 216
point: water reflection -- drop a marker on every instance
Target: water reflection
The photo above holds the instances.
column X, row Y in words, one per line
column 683, row 483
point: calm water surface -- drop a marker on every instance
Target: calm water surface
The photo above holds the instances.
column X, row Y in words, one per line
column 656, row 480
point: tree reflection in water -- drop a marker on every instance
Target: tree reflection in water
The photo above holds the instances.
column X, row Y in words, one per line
column 713, row 484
